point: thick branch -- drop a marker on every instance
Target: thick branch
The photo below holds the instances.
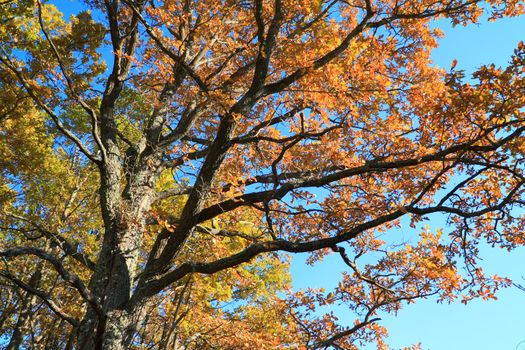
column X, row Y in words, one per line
column 64, row 244
column 43, row 296
column 370, row 167
column 156, row 285
column 72, row 279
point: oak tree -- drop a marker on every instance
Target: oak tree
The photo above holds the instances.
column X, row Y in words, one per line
column 159, row 159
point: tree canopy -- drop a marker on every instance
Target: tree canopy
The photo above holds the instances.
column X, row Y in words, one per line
column 161, row 160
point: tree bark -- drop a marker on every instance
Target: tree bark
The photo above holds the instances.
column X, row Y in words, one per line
column 25, row 313
column 124, row 210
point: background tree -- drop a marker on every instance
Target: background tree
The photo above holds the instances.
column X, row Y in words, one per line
column 146, row 144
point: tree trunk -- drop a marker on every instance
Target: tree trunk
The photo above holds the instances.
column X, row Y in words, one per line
column 113, row 283
column 115, row 332
column 25, row 313
column 124, row 213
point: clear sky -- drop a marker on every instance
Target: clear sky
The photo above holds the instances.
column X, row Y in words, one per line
column 479, row 325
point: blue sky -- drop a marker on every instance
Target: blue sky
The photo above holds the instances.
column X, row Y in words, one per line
column 479, row 325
